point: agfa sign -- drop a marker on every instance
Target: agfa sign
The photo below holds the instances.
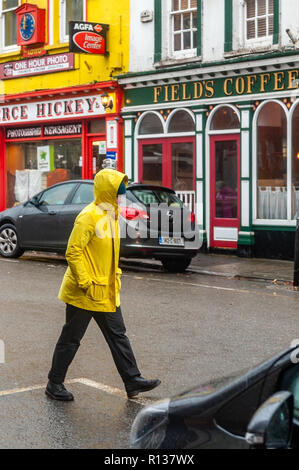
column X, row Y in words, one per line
column 89, row 38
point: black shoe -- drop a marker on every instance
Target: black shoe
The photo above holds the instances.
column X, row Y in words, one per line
column 58, row 392
column 139, row 385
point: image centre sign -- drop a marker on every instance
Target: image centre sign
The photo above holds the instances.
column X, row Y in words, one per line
column 88, row 38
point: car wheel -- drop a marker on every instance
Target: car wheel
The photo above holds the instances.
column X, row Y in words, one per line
column 176, row 265
column 9, row 242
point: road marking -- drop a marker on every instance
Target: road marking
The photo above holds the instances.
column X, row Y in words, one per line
column 9, row 260
column 87, row 382
column 206, row 286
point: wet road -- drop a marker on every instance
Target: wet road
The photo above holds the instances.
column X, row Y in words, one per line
column 185, row 329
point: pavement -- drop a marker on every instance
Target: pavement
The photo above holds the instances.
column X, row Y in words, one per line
column 229, row 266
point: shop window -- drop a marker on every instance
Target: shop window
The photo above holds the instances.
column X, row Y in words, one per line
column 182, row 166
column 152, row 164
column 151, row 124
column 272, row 162
column 225, row 118
column 183, row 19
column 8, row 24
column 295, row 163
column 97, row 127
column 259, row 19
column 71, row 10
column 181, row 121
column 34, row 166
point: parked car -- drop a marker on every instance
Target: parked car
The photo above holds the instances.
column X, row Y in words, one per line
column 234, row 412
column 154, row 223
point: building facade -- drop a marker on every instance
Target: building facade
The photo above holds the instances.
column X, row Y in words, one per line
column 59, row 103
column 211, row 109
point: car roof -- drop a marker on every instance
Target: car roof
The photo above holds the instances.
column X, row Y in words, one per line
column 130, row 186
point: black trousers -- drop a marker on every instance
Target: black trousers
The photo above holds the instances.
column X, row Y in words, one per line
column 114, row 331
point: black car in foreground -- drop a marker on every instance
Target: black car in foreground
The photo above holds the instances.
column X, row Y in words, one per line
column 154, row 223
column 257, row 409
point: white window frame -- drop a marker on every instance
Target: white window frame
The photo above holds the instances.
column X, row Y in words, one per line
column 168, row 34
column 63, row 34
column 263, row 41
column 3, row 48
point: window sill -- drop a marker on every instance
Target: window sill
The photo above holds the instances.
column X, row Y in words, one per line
column 4, row 55
column 174, row 62
column 249, row 50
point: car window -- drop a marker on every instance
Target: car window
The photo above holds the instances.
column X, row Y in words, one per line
column 170, row 199
column 56, row 195
column 146, row 196
column 83, row 195
column 290, row 382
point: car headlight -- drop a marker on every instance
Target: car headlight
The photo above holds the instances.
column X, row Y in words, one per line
column 149, row 427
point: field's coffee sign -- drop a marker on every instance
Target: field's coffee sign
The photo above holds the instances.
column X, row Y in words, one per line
column 22, row 113
column 89, row 38
column 37, row 66
column 244, row 85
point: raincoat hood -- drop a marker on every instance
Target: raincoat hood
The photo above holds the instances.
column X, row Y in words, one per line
column 106, row 184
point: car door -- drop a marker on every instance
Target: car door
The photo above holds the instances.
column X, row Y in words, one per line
column 284, row 375
column 40, row 227
column 79, row 198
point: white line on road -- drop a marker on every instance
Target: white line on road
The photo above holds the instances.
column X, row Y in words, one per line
column 207, row 286
column 9, row 260
column 87, row 382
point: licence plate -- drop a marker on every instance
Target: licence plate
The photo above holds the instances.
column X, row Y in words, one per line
column 171, row 241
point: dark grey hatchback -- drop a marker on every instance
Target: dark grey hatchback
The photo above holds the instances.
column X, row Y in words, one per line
column 154, row 223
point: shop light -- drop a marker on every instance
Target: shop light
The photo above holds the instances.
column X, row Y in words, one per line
column 107, row 100
column 297, row 155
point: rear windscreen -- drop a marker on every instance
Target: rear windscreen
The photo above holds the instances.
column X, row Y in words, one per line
column 157, row 196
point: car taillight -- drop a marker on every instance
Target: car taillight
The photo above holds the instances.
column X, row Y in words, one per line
column 131, row 213
column 192, row 218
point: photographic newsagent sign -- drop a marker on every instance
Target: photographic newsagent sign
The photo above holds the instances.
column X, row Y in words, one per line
column 89, row 38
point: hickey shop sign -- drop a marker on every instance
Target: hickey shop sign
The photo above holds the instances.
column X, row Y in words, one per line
column 87, row 106
column 215, row 88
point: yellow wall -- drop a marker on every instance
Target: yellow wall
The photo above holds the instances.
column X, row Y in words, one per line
column 88, row 68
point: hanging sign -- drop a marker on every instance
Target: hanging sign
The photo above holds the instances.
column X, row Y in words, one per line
column 89, row 38
column 111, row 127
column 45, row 158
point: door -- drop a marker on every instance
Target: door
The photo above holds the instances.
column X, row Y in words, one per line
column 168, row 162
column 97, row 151
column 224, row 190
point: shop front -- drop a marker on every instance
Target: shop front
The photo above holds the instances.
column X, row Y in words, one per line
column 227, row 141
column 54, row 136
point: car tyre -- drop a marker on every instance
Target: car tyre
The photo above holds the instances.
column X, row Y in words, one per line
column 176, row 265
column 9, row 242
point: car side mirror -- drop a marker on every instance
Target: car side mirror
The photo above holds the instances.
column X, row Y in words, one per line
column 271, row 425
column 34, row 201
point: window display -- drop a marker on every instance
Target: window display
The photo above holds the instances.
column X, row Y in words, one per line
column 34, row 166
column 272, row 162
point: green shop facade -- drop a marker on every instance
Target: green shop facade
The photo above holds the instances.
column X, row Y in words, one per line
column 225, row 137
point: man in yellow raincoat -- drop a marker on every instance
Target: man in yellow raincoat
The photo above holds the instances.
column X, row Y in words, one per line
column 91, row 286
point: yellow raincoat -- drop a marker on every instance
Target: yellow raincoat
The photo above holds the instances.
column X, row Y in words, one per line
column 92, row 280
